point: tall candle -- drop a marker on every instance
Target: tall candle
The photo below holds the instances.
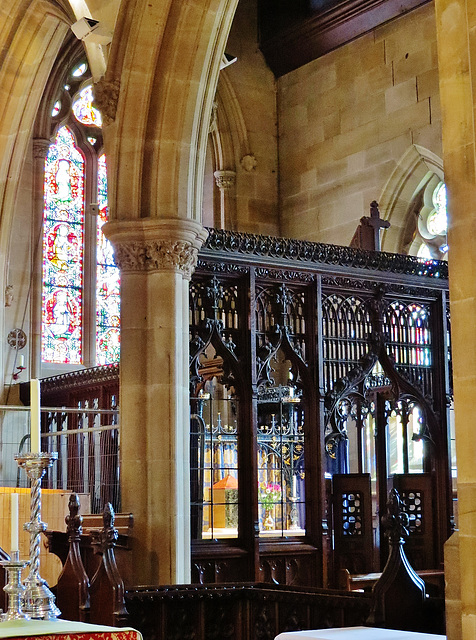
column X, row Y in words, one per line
column 21, row 361
column 14, row 522
column 35, row 416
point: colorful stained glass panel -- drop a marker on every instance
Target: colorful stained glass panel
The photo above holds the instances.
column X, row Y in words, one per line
column 107, row 283
column 63, row 251
column 83, row 108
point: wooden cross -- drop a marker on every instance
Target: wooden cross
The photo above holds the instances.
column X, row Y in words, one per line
column 367, row 235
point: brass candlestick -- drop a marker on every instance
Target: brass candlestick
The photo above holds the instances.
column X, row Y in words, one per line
column 38, row 601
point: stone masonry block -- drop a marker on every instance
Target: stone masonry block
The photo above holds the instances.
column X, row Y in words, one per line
column 370, row 108
column 406, row 119
column 413, row 64
column 401, row 95
column 428, row 84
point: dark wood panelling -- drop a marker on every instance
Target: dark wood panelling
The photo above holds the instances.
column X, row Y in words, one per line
column 292, row 40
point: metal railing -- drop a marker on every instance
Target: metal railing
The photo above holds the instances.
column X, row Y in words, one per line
column 87, row 443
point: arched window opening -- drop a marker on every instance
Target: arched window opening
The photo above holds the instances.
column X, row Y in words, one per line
column 214, row 466
column 280, row 446
column 430, row 238
column 80, row 301
column 107, row 282
column 63, row 251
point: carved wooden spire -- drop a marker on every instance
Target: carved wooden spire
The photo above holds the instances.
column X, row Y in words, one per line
column 73, row 584
column 107, row 586
column 398, row 582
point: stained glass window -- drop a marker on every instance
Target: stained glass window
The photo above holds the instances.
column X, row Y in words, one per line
column 81, row 284
column 63, row 251
column 107, row 283
column 80, row 70
column 83, row 109
column 437, row 223
column 430, row 239
column 56, row 108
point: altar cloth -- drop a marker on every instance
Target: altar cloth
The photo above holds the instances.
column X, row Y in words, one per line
column 357, row 633
column 64, row 629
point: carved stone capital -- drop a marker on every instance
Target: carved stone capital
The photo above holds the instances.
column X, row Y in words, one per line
column 156, row 245
column 156, row 255
column 106, row 96
column 225, row 179
column 40, row 148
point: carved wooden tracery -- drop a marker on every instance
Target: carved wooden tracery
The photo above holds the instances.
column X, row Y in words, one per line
column 360, row 346
column 316, row 348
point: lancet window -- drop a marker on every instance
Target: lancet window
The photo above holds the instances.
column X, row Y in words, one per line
column 63, row 231
column 80, row 303
column 430, row 242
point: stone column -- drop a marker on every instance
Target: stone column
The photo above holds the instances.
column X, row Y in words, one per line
column 456, row 32
column 156, row 259
column 40, row 150
column 225, row 181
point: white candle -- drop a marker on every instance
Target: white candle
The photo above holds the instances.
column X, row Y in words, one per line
column 294, row 486
column 35, row 416
column 21, row 362
column 14, row 522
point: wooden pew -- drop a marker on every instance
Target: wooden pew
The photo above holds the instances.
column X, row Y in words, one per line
column 59, row 545
column 72, row 588
column 434, row 580
column 107, row 588
column 98, row 599
column 399, row 598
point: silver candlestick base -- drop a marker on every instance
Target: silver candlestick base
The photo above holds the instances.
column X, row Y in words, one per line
column 294, row 514
column 38, row 601
column 14, row 587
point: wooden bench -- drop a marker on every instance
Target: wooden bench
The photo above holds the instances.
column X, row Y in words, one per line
column 434, row 579
column 93, row 523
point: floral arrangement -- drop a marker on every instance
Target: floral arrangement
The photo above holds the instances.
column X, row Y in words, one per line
column 269, row 494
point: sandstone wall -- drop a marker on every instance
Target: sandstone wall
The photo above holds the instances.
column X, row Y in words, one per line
column 346, row 120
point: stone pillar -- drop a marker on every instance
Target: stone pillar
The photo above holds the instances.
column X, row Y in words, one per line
column 40, row 150
column 456, row 33
column 156, row 259
column 225, row 181
column 452, row 588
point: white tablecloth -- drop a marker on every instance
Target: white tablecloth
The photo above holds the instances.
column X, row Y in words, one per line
column 357, row 633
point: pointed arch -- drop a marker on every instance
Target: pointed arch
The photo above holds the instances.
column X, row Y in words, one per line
column 30, row 39
column 399, row 197
column 231, row 134
column 170, row 129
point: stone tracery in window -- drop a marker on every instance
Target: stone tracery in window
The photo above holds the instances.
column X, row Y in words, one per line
column 80, row 302
column 430, row 239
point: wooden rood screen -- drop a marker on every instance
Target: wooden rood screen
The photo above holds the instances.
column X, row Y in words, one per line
column 319, row 380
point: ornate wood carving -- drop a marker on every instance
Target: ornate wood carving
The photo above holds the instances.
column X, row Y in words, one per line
column 221, row 267
column 282, row 274
column 300, row 251
column 239, row 611
column 107, row 587
column 332, row 312
column 398, row 578
column 92, row 377
column 72, row 591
